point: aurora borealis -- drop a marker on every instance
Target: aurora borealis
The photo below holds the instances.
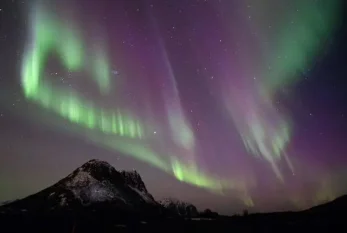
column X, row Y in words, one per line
column 224, row 102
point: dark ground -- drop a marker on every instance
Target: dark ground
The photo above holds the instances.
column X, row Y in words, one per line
column 104, row 221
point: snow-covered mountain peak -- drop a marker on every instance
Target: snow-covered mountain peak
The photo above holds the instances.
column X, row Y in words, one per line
column 92, row 171
column 95, row 184
column 97, row 181
column 80, row 178
column 97, row 165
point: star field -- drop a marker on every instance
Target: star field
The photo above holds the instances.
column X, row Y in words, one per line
column 226, row 104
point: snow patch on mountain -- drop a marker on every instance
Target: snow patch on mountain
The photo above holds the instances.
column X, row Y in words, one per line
column 89, row 190
column 81, row 179
column 166, row 202
column 52, row 194
column 63, row 201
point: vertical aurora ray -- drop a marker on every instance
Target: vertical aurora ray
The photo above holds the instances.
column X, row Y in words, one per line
column 290, row 48
column 182, row 133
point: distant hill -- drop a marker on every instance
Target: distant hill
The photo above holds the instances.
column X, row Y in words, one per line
column 179, row 208
column 339, row 205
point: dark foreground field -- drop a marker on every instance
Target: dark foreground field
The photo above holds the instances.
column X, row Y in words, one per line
column 106, row 222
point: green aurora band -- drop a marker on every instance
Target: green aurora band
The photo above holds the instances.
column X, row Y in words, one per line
column 293, row 48
column 50, row 36
column 298, row 43
column 104, row 127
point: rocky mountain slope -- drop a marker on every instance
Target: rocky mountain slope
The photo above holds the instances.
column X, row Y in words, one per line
column 95, row 182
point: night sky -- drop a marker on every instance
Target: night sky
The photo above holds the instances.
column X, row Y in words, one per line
column 227, row 104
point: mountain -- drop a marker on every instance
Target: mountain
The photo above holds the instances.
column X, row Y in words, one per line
column 94, row 183
column 180, row 208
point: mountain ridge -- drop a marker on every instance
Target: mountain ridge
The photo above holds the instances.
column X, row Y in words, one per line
column 93, row 182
